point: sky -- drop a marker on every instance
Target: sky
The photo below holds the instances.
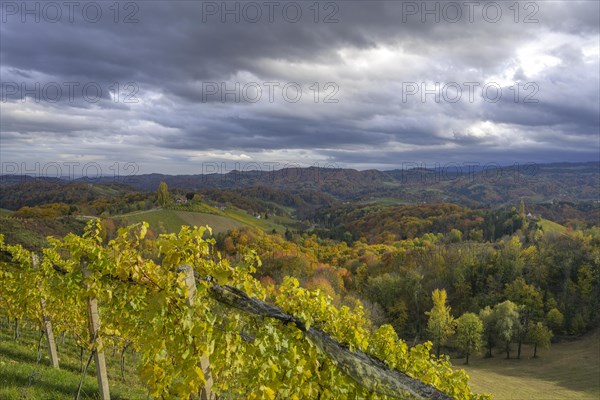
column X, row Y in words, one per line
column 186, row 87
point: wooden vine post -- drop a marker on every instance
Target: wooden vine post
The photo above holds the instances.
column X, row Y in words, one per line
column 46, row 322
column 190, row 281
column 94, row 326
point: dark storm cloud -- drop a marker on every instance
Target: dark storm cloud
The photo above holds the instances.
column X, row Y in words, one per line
column 256, row 134
column 374, row 53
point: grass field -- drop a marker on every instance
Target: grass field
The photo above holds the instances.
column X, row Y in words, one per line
column 278, row 223
column 569, row 371
column 551, row 226
column 21, row 379
column 216, row 222
column 264, row 224
column 172, row 221
column 163, row 220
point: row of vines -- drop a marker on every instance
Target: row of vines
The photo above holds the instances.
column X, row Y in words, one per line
column 144, row 300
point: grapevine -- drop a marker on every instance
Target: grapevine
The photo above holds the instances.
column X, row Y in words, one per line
column 144, row 300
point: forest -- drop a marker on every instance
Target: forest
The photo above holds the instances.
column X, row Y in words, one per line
column 467, row 282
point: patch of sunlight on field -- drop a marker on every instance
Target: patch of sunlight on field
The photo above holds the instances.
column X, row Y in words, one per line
column 163, row 220
column 569, row 371
column 216, row 222
column 166, row 220
column 551, row 226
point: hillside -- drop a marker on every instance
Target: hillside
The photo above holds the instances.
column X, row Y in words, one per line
column 170, row 221
column 565, row 193
column 31, row 233
column 454, row 183
column 569, row 371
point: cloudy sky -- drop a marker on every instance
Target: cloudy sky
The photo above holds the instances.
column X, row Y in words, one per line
column 184, row 87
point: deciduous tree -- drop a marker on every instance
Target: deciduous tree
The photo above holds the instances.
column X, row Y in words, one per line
column 555, row 320
column 487, row 317
column 531, row 305
column 440, row 325
column 506, row 323
column 539, row 335
column 162, row 195
column 469, row 331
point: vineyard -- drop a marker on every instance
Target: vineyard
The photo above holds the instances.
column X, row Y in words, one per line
column 204, row 327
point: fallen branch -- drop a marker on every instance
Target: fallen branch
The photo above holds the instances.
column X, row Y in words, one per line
column 363, row 368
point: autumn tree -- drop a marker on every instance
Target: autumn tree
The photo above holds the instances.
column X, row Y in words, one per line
column 555, row 320
column 507, row 323
column 538, row 334
column 530, row 303
column 469, row 331
column 522, row 217
column 587, row 295
column 387, row 291
column 162, row 195
column 488, row 320
column 511, row 262
column 440, row 325
column 455, row 236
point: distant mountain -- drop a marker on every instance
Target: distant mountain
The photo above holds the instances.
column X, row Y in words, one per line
column 470, row 186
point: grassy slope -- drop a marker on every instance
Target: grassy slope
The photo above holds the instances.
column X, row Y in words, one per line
column 167, row 220
column 216, row 222
column 32, row 232
column 19, row 377
column 551, row 226
column 264, row 224
column 569, row 371
column 219, row 221
column 232, row 213
column 172, row 220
